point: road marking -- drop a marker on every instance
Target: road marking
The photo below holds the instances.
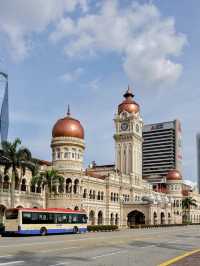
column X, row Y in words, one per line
column 11, row 262
column 60, row 263
column 169, row 262
column 151, row 246
column 57, row 249
column 108, row 254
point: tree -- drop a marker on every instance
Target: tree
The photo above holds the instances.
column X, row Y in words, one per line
column 17, row 159
column 186, row 204
column 48, row 178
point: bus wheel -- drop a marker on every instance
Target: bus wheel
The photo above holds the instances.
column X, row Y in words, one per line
column 75, row 230
column 43, row 231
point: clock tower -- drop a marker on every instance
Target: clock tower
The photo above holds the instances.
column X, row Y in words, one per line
column 128, row 137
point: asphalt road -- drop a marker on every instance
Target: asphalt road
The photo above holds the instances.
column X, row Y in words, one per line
column 141, row 247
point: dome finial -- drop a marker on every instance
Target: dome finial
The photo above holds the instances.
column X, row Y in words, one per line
column 129, row 93
column 68, row 110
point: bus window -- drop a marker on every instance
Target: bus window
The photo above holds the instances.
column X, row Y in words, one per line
column 42, row 218
column 74, row 218
column 70, row 218
column 34, row 217
column 65, row 218
column 82, row 218
column 26, row 218
column 11, row 214
column 51, row 218
column 59, row 219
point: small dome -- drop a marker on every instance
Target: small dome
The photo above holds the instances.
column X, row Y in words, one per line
column 174, row 175
column 128, row 104
column 68, row 127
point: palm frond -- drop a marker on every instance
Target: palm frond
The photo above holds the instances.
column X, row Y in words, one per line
column 24, row 154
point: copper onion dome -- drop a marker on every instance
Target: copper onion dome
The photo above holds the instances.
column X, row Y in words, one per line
column 174, row 175
column 68, row 127
column 128, row 105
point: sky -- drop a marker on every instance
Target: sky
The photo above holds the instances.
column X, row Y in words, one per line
column 85, row 53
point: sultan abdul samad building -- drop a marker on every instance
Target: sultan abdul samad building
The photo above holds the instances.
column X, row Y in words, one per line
column 110, row 194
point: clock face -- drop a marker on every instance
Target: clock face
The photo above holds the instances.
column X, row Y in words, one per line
column 124, row 126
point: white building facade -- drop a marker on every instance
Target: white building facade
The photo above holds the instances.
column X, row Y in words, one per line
column 110, row 194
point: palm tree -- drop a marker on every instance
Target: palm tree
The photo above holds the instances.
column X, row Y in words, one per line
column 16, row 158
column 186, row 204
column 49, row 178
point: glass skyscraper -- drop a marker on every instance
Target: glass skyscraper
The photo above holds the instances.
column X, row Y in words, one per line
column 198, row 160
column 4, row 109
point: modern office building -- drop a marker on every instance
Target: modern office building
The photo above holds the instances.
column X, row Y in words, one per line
column 162, row 148
column 198, row 160
column 4, row 115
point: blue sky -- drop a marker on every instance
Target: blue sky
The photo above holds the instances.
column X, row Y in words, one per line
column 85, row 53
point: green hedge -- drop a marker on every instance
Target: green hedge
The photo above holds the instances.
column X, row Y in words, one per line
column 94, row 228
column 154, row 226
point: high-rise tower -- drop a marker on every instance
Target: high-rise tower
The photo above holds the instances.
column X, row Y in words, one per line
column 128, row 137
column 198, row 160
column 162, row 148
column 4, row 115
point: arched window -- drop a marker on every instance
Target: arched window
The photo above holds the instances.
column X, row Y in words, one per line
column 111, row 219
column 94, row 194
column 117, row 197
column 58, row 153
column 116, row 219
column 154, row 218
column 114, row 197
column 162, row 218
column 17, row 185
column 66, row 153
column 85, row 193
column 98, row 195
column 68, row 185
column 76, row 185
column 53, row 154
column 102, row 194
column 169, row 218
column 73, row 153
column 90, row 194
column 6, row 182
column 23, row 185
column 100, row 217
column 111, row 197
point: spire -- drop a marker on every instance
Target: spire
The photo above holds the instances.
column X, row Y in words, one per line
column 68, row 110
column 128, row 93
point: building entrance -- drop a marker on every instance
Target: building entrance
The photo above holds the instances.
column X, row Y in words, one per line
column 135, row 218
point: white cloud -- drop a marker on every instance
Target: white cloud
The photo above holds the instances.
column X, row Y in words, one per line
column 20, row 18
column 146, row 42
column 73, row 75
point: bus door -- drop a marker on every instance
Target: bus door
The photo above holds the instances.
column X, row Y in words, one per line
column 11, row 220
